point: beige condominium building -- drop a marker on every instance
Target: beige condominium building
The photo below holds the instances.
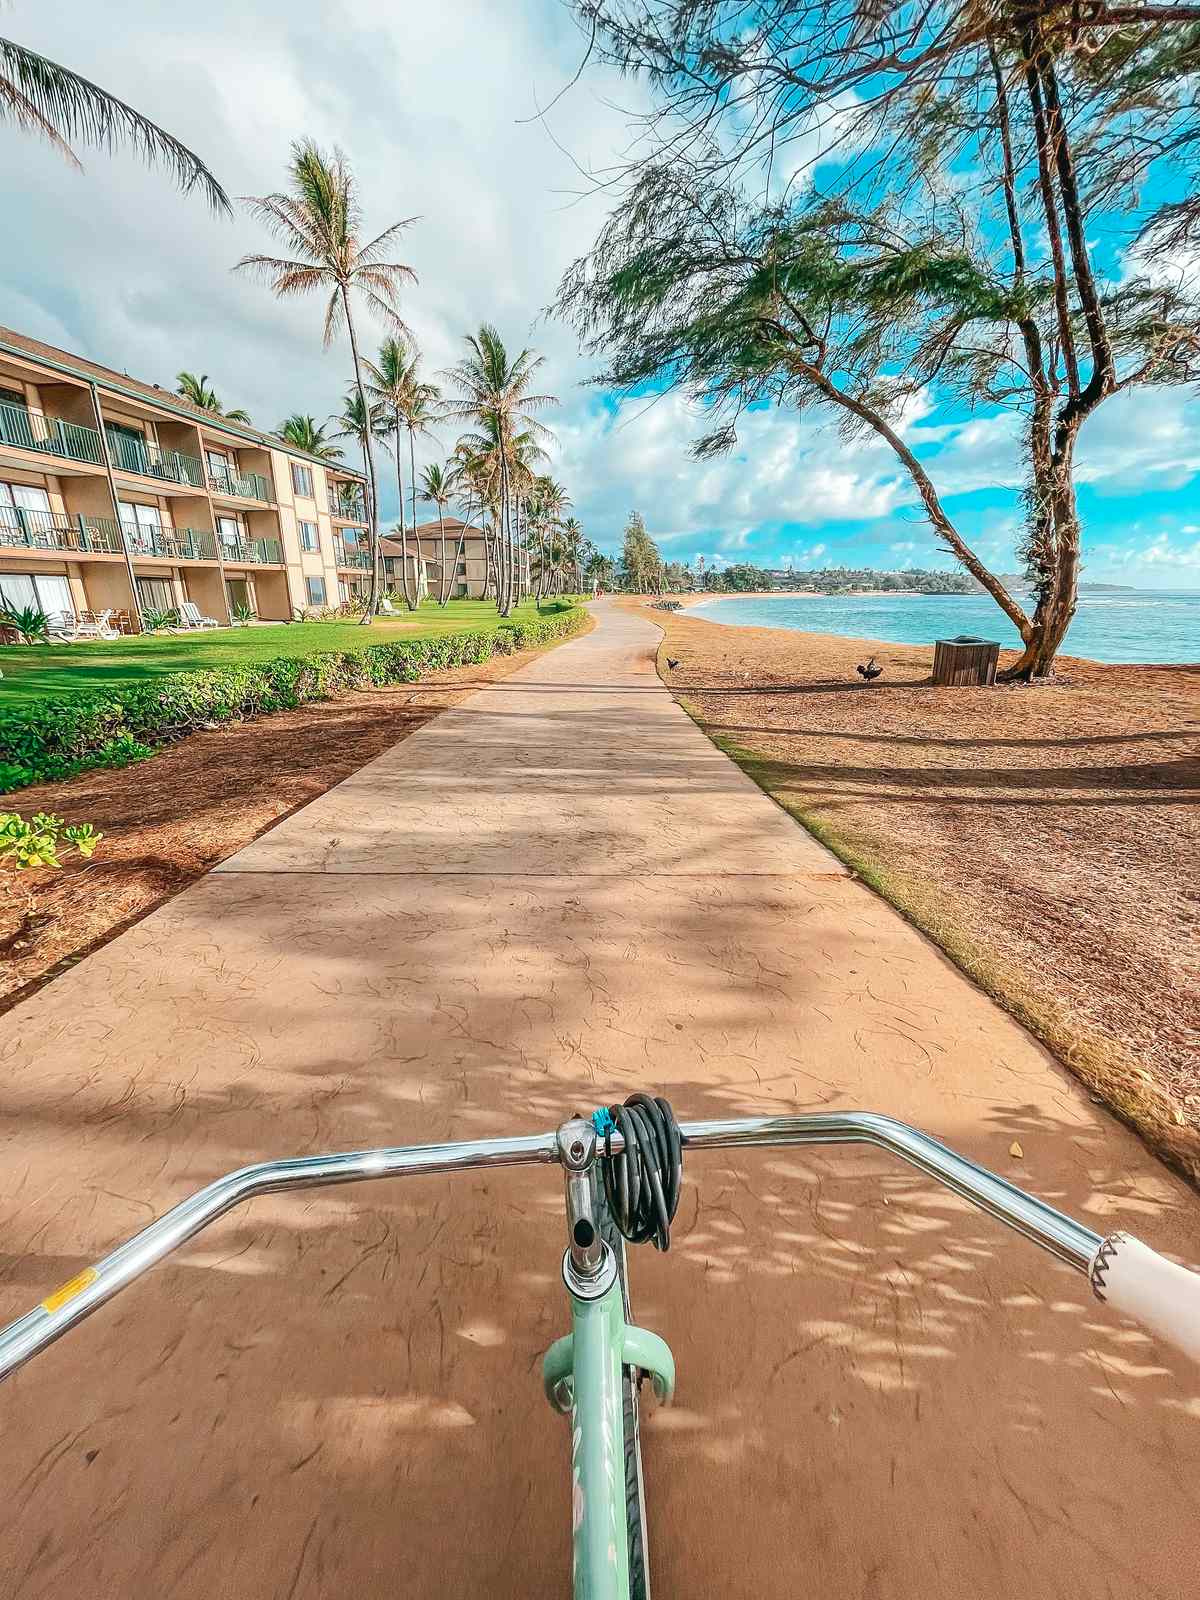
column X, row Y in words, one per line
column 120, row 496
column 467, row 573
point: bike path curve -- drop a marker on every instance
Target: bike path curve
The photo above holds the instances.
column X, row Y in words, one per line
column 554, row 893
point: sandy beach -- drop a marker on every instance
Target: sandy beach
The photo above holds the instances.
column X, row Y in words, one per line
column 1046, row 837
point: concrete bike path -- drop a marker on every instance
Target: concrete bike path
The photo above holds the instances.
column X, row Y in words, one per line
column 554, row 893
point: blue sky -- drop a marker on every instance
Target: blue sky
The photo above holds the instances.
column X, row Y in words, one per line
column 426, row 101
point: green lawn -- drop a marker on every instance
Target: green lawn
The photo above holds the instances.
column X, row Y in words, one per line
column 36, row 672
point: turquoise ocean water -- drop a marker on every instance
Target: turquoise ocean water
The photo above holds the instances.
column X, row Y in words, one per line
column 1134, row 625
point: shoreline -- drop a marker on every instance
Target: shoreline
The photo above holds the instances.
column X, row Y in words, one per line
column 1063, row 659
column 817, row 594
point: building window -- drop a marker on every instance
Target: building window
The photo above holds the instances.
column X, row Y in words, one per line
column 25, row 515
column 156, row 594
column 302, row 480
column 308, row 536
column 49, row 594
column 230, row 533
column 316, row 591
column 142, row 527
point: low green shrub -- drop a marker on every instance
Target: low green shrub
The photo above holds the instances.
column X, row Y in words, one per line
column 30, row 623
column 54, row 739
column 155, row 619
column 38, row 841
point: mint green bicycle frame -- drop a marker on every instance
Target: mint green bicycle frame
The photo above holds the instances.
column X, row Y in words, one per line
column 583, row 1373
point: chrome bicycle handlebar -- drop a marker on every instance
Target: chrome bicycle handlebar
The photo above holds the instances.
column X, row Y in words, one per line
column 1070, row 1241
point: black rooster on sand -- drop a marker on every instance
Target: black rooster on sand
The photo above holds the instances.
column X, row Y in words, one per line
column 870, row 672
column 672, row 664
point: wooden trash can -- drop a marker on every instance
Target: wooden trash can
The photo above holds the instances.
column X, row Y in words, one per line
column 965, row 660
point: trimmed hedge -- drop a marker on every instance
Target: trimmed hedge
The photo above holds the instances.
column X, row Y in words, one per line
column 56, row 739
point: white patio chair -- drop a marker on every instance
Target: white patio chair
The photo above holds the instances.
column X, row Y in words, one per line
column 95, row 625
column 61, row 626
column 192, row 617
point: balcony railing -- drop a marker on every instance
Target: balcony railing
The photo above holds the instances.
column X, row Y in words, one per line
column 30, row 430
column 171, row 544
column 354, row 558
column 349, row 508
column 258, row 552
column 135, row 454
column 56, row 530
column 243, row 485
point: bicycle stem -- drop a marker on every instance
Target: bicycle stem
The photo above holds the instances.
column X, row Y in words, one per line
column 1064, row 1238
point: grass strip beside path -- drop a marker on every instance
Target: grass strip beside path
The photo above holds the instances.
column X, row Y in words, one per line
column 45, row 672
column 57, row 738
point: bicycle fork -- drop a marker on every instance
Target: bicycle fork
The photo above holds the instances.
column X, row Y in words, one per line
column 582, row 1377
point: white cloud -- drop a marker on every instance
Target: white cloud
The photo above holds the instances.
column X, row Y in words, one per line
column 1151, row 557
column 426, row 101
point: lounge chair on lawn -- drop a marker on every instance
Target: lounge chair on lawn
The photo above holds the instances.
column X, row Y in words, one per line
column 95, row 625
column 61, row 626
column 191, row 616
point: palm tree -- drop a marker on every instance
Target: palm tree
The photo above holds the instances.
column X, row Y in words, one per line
column 487, row 463
column 495, row 392
column 304, row 433
column 552, row 501
column 408, row 402
column 475, row 491
column 197, row 391
column 572, row 532
column 437, row 484
column 359, row 422
column 319, row 221
column 41, row 97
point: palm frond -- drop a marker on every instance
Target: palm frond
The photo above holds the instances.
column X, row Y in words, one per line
column 368, row 254
column 335, row 313
column 17, row 108
column 50, row 99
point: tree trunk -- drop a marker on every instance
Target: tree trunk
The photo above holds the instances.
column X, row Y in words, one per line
column 405, row 587
column 1058, row 598
column 458, row 556
column 504, row 554
column 930, row 499
column 368, row 615
column 444, row 594
column 418, row 559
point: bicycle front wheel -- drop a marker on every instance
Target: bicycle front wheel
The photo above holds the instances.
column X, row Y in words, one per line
column 635, row 1489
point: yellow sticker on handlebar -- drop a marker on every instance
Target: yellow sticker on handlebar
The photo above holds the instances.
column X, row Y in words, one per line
column 75, row 1286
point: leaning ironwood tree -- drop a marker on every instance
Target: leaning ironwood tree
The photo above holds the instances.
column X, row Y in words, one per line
column 871, row 208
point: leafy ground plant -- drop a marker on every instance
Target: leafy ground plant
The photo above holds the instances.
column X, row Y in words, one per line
column 153, row 619
column 30, row 624
column 40, row 841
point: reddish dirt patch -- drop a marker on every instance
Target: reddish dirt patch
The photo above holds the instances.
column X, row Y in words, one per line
column 168, row 820
column 1047, row 837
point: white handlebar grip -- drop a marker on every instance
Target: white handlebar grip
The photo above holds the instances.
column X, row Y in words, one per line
column 1137, row 1282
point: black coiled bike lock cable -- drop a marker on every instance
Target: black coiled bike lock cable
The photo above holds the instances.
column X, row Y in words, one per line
column 642, row 1182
